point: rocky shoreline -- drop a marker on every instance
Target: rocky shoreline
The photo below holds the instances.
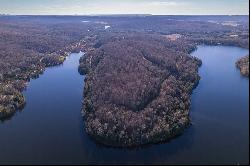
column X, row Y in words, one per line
column 243, row 65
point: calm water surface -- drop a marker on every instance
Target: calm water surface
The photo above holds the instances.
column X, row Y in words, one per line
column 50, row 129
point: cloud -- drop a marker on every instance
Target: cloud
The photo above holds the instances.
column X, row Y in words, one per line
column 165, row 3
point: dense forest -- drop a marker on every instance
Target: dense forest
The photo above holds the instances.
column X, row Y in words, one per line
column 139, row 74
column 138, row 84
column 137, row 90
column 27, row 46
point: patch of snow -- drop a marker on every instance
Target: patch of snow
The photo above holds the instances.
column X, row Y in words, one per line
column 106, row 26
column 234, row 35
column 85, row 21
column 101, row 22
column 230, row 23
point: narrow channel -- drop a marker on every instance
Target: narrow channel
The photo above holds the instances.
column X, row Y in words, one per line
column 50, row 129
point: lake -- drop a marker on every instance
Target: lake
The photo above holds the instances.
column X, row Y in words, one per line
column 50, row 129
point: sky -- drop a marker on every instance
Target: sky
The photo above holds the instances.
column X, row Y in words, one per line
column 155, row 7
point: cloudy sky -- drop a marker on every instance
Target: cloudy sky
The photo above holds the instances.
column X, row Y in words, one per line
column 158, row 7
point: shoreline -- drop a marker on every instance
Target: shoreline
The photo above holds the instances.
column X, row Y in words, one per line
column 107, row 142
column 17, row 100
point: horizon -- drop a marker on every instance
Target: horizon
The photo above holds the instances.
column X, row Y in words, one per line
column 145, row 15
column 121, row 7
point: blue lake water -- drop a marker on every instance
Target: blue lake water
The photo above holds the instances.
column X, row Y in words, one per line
column 50, row 129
